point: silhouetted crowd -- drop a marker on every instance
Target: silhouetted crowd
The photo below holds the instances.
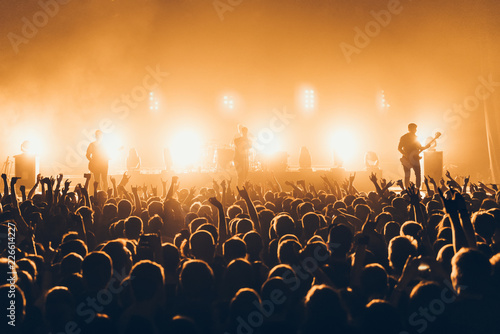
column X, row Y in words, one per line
column 256, row 259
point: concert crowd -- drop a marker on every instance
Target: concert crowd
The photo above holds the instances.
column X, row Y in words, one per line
column 261, row 258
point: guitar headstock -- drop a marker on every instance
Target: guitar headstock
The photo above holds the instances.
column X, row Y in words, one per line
column 437, row 135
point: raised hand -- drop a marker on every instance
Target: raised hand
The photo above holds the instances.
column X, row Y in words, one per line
column 125, row 179
column 4, row 176
column 192, row 191
column 373, row 177
column 59, row 178
column 67, row 183
column 243, row 193
column 302, row 183
column 87, row 176
column 13, row 180
column 215, row 202
column 352, row 177
column 414, row 194
column 455, row 203
column 52, row 181
column 38, row 178
column 113, row 180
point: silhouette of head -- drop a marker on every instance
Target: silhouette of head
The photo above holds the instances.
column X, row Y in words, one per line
column 148, row 280
column 196, row 279
column 471, row 271
column 412, row 128
column 97, row 270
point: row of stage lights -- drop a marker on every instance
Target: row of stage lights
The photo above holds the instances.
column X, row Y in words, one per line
column 307, row 99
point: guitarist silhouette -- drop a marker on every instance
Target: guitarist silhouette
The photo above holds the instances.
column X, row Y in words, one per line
column 410, row 148
column 98, row 160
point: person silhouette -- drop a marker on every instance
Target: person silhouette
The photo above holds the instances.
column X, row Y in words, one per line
column 410, row 148
column 98, row 160
column 242, row 145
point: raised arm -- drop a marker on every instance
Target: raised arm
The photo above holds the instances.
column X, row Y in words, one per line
column 33, row 190
column 5, row 186
column 451, row 181
column 221, row 225
column 414, row 194
column 137, row 201
column 173, row 186
column 280, row 189
column 20, row 222
column 115, row 189
column 297, row 189
column 461, row 226
column 251, row 208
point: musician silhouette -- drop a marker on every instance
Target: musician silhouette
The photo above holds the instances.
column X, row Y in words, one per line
column 98, row 160
column 242, row 146
column 410, row 148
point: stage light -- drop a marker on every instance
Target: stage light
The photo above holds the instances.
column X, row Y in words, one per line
column 33, row 145
column 228, row 102
column 309, row 99
column 344, row 145
column 154, row 103
column 382, row 103
column 112, row 144
column 186, row 149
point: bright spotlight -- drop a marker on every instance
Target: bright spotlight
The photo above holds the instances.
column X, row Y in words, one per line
column 228, row 102
column 186, row 149
column 154, row 102
column 112, row 144
column 31, row 147
column 309, row 99
column 382, row 103
column 344, row 144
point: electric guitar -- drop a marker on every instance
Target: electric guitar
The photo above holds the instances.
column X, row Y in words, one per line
column 407, row 159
